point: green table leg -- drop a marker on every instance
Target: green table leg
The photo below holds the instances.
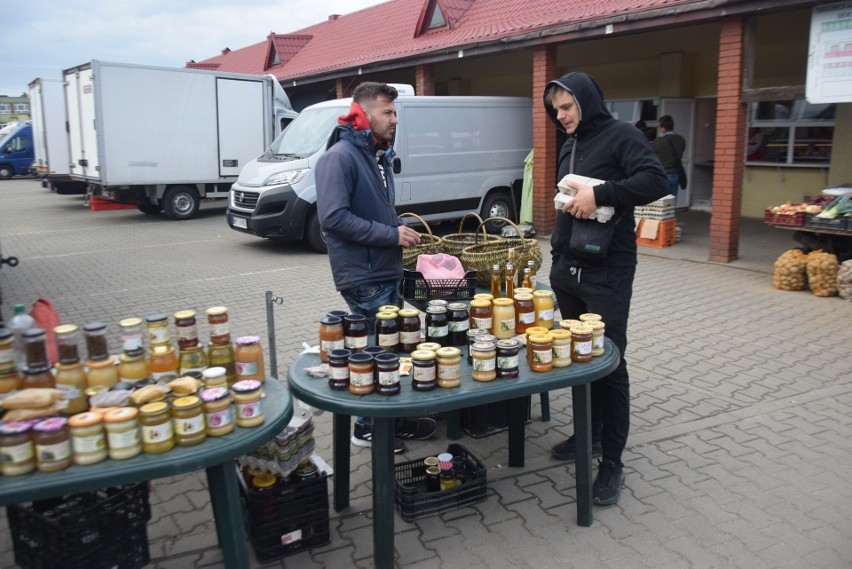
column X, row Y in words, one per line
column 340, row 452
column 454, row 425
column 582, row 403
column 517, row 425
column 383, row 493
column 544, row 399
column 225, row 499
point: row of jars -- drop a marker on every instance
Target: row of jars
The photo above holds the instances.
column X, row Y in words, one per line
column 121, row 433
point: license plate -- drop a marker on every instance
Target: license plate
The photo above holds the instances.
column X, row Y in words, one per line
column 239, row 222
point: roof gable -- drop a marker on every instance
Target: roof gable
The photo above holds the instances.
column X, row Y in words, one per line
column 451, row 12
column 283, row 47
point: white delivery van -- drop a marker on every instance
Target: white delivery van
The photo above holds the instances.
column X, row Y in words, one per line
column 50, row 138
column 163, row 138
column 454, row 155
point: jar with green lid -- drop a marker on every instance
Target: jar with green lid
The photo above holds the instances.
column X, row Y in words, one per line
column 123, row 437
column 449, row 367
column 560, row 341
column 188, row 416
column 192, row 359
column 424, row 373
column 598, row 332
column 158, row 434
column 87, row 438
column 218, row 412
column 16, row 446
column 52, row 440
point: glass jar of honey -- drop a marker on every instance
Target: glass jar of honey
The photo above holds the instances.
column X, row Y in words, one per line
column 157, row 429
column 188, row 417
column 222, row 355
column 217, row 320
column 484, row 361
column 598, row 332
column 480, row 314
column 52, row 441
column 247, row 396
column 581, row 343
column 524, row 312
column 507, row 358
column 503, row 315
column 70, row 376
column 437, row 325
column 355, row 332
column 408, row 323
column 424, row 372
column 361, row 375
column 449, row 367
column 16, row 446
column 541, row 352
column 249, row 355
column 215, row 377
column 7, row 351
column 87, row 438
column 38, row 371
column 330, row 336
column 123, row 437
column 163, row 363
column 10, row 380
column 187, row 329
column 589, row 317
column 561, row 343
column 387, row 331
column 544, row 308
column 387, row 374
column 338, row 363
column 96, row 341
column 103, row 373
column 159, row 334
column 192, row 359
column 132, row 333
column 218, row 411
column 473, row 336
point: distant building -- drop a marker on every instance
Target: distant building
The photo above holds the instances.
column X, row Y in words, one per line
column 14, row 109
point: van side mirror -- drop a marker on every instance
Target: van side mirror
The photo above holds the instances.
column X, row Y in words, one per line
column 397, row 165
column 9, row 150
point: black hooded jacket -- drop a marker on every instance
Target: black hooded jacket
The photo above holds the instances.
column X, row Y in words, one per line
column 610, row 150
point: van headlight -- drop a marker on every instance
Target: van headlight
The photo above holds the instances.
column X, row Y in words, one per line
column 290, row 177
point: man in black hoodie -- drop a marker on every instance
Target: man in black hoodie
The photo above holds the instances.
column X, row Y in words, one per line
column 599, row 146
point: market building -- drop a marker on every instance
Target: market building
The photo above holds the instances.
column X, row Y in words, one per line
column 733, row 73
column 14, row 109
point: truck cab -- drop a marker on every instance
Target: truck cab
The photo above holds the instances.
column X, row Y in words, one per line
column 16, row 150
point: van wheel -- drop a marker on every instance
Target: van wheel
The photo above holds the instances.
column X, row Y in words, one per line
column 6, row 172
column 497, row 204
column 313, row 234
column 149, row 208
column 181, row 202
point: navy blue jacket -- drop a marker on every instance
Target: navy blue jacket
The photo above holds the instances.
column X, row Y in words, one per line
column 357, row 215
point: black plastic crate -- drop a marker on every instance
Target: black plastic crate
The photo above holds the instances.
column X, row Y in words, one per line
column 416, row 287
column 104, row 529
column 484, row 420
column 413, row 499
column 290, row 536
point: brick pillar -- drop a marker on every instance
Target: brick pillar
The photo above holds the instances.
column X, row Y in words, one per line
column 730, row 143
column 424, row 80
column 544, row 142
column 340, row 88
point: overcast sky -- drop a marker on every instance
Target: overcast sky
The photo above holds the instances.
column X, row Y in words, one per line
column 40, row 38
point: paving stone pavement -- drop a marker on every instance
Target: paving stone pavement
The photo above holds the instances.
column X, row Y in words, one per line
column 741, row 440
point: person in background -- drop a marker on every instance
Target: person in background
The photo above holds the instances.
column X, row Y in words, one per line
column 669, row 147
column 364, row 236
column 600, row 146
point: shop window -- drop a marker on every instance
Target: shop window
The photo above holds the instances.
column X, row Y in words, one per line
column 790, row 133
column 5, row 108
column 22, row 107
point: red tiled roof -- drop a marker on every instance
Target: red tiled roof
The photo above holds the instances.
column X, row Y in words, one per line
column 389, row 31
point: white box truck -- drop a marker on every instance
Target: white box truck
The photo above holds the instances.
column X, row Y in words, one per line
column 50, row 137
column 454, row 155
column 164, row 138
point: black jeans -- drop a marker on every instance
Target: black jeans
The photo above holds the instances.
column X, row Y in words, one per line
column 605, row 291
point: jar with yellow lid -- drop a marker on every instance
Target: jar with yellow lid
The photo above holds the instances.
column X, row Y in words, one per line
column 598, row 332
column 484, row 361
column 484, row 296
column 590, row 317
column 16, row 446
column 533, row 331
column 561, row 342
column 123, row 437
column 132, row 334
column 523, row 290
column 503, row 316
column 387, row 331
column 449, row 367
column 408, row 324
column 544, row 308
column 218, row 411
column 263, row 481
column 568, row 323
column 158, row 434
column 70, row 376
column 247, row 396
column 524, row 312
column 481, row 314
column 52, row 441
column 540, row 349
column 431, row 346
column 159, row 335
column 581, row 343
column 188, row 416
column 389, row 308
column 87, row 438
column 424, row 372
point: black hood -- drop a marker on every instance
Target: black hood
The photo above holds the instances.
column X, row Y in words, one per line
column 589, row 97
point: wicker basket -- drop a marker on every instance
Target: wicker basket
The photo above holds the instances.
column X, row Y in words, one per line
column 454, row 243
column 429, row 245
column 483, row 256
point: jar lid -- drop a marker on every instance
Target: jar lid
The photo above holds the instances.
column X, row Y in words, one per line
column 65, row 329
column 433, row 471
column 5, row 333
column 483, row 346
column 184, row 314
column 247, row 340
column 156, row 317
column 540, row 338
column 214, row 372
column 186, row 402
column 568, row 323
column 217, row 310
column 590, row 317
column 480, row 302
column 389, row 308
column 33, row 333
column 423, row 355
column 477, row 332
column 154, row 408
column 522, row 295
column 85, row 419
column 503, row 302
column 523, row 290
column 330, row 321
column 508, row 344
column 430, row 346
column 340, row 354
column 543, row 293
column 95, row 327
column 581, row 329
column 15, row 428
column 536, row 330
column 246, row 386
column 596, row 324
column 457, row 306
column 130, row 322
column 264, row 480
column 445, row 457
column 387, row 358
column 50, row 425
column 338, row 313
column 560, row 333
column 386, row 315
column 448, row 352
column 120, row 414
column 484, row 296
column 214, row 394
column 354, row 318
column 436, row 309
column 360, row 358
column 409, row 312
column 487, row 338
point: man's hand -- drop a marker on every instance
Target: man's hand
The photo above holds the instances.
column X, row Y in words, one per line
column 583, row 203
column 408, row 237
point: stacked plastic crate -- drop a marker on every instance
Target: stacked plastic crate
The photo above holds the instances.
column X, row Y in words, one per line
column 655, row 223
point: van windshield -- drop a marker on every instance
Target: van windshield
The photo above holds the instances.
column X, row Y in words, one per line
column 307, row 133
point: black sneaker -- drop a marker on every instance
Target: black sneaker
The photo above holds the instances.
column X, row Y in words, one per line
column 363, row 437
column 418, row 430
column 608, row 483
column 567, row 451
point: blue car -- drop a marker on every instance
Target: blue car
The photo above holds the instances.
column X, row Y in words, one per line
column 17, row 151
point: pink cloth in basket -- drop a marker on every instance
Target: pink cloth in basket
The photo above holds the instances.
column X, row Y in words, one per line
column 439, row 267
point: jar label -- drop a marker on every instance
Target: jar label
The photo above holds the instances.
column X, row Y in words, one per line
column 329, row 345
column 341, row 372
column 189, row 333
column 219, row 418
column 526, row 317
column 542, row 356
column 158, row 335
column 449, row 371
column 54, row 452
column 488, row 364
column 131, row 341
column 507, row 362
column 125, row 439
column 437, row 331
column 246, row 368
column 389, row 377
column 598, row 342
column 507, row 325
column 360, row 379
column 388, row 339
column 545, row 315
column 166, row 375
column 583, row 348
column 409, row 337
column 562, row 351
column 72, row 391
column 482, row 323
column 220, row 329
column 189, row 426
column 18, row 453
column 424, row 373
column 355, row 342
column 89, row 443
column 459, row 325
column 157, row 433
column 7, row 356
column 248, row 410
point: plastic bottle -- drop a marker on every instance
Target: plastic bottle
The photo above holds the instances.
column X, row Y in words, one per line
column 20, row 323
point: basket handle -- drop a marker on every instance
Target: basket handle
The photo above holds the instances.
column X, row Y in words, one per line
column 476, row 215
column 509, row 221
column 422, row 221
